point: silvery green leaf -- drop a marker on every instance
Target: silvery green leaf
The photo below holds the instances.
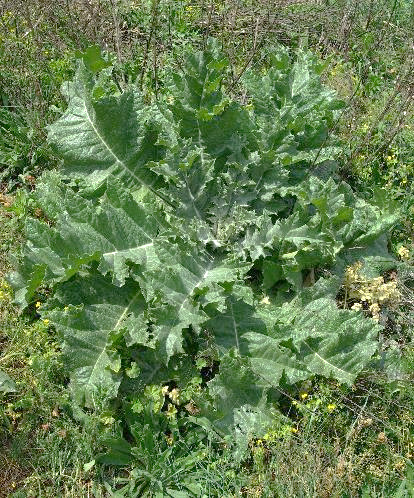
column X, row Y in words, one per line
column 7, row 385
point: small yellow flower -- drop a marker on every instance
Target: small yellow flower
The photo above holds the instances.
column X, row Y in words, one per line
column 175, row 395
column 171, row 411
column 356, row 307
column 331, row 407
column 304, row 395
column 46, row 321
column 382, row 438
column 265, row 300
column 294, row 430
column 366, row 422
column 404, row 253
column 66, row 308
column 38, row 304
column 375, row 310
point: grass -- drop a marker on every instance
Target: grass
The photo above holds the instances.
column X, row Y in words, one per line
column 331, row 440
column 45, row 441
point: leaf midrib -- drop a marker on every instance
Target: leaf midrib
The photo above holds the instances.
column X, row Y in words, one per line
column 120, row 161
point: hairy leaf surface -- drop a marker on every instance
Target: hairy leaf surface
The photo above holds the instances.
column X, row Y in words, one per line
column 93, row 310
column 195, row 230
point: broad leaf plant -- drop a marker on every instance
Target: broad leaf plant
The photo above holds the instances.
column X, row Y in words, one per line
column 202, row 226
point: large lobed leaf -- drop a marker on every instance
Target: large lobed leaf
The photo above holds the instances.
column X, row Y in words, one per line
column 89, row 312
column 293, row 110
column 113, row 136
column 117, row 231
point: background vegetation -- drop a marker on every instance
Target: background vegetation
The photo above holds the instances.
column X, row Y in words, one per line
column 331, row 440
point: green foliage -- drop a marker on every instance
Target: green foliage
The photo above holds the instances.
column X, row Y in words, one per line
column 194, row 230
column 336, row 445
column 316, row 451
column 41, row 431
column 33, row 67
column 162, row 462
column 6, row 384
column 20, row 152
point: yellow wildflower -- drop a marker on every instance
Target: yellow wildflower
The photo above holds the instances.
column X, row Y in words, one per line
column 38, row 304
column 382, row 437
column 265, row 300
column 375, row 310
column 304, row 395
column 403, row 253
column 171, row 411
column 331, row 407
column 175, row 395
column 46, row 321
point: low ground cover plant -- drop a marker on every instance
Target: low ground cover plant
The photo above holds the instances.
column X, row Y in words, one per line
column 192, row 253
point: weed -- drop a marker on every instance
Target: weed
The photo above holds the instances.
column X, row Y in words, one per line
column 331, row 441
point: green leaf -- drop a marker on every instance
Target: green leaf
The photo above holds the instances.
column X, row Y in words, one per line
column 221, row 127
column 93, row 59
column 114, row 233
column 272, row 273
column 235, row 388
column 192, row 183
column 113, row 137
column 154, row 371
column 7, row 385
column 92, row 310
column 294, row 244
column 328, row 341
column 230, row 327
column 120, row 452
column 190, row 279
column 292, row 108
column 270, row 361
